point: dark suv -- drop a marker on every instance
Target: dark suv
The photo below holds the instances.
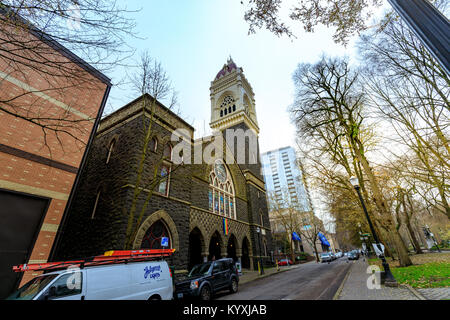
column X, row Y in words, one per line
column 204, row 280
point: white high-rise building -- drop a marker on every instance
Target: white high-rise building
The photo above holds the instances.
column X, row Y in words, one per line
column 284, row 178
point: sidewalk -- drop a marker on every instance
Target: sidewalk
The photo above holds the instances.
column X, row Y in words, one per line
column 249, row 276
column 355, row 287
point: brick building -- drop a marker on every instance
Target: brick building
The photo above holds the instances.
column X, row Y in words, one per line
column 207, row 209
column 38, row 168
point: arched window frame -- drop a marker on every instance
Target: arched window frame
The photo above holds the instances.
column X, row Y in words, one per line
column 228, row 105
column 97, row 200
column 112, row 144
column 169, row 234
column 155, row 144
column 261, row 218
column 169, row 158
column 164, row 184
column 222, row 199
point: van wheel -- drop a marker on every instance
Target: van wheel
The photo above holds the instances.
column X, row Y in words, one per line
column 205, row 293
column 234, row 286
column 154, row 298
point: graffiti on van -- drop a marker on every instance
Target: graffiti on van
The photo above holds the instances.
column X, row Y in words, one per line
column 152, row 272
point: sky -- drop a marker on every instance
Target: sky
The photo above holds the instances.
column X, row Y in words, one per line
column 193, row 40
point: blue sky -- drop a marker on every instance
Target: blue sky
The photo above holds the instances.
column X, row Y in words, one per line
column 193, row 39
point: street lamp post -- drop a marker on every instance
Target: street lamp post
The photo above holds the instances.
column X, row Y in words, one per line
column 388, row 276
column 258, row 230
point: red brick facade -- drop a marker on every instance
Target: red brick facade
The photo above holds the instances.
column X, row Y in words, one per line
column 45, row 164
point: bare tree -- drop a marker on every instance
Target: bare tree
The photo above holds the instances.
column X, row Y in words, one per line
column 284, row 212
column 349, row 17
column 41, row 43
column 153, row 83
column 329, row 92
column 410, row 90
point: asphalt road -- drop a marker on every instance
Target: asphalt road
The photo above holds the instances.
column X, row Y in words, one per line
column 311, row 281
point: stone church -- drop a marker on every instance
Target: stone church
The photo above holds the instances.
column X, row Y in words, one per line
column 206, row 209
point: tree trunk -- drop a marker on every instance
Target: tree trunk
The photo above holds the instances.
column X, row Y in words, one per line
column 402, row 251
column 381, row 205
column 413, row 236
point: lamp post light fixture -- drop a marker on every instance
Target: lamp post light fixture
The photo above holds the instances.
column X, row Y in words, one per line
column 388, row 276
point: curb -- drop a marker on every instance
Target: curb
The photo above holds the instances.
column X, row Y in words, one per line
column 339, row 290
column 414, row 291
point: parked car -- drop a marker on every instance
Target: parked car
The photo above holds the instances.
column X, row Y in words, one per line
column 338, row 255
column 353, row 255
column 151, row 280
column 285, row 262
column 206, row 279
column 333, row 256
column 326, row 257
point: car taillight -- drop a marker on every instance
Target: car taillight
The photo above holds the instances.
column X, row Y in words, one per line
column 170, row 271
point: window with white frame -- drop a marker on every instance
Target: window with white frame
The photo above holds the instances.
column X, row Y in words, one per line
column 221, row 191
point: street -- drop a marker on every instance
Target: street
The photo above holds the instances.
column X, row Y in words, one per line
column 311, row 281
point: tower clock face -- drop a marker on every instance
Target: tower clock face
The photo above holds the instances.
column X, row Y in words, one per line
column 220, row 171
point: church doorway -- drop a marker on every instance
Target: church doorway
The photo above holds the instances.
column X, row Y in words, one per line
column 153, row 236
column 245, row 260
column 215, row 247
column 195, row 248
column 231, row 248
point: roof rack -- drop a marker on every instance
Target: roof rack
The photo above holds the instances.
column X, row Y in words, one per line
column 109, row 257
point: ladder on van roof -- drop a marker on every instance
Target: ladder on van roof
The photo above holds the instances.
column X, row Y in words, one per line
column 109, row 257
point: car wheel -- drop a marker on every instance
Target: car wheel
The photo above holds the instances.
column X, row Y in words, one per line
column 205, row 293
column 234, row 286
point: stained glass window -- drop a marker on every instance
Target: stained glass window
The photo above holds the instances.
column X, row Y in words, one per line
column 210, row 199
column 164, row 174
column 152, row 238
column 221, row 192
column 216, row 202
column 227, row 206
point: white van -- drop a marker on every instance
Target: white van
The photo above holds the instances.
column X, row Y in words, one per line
column 149, row 280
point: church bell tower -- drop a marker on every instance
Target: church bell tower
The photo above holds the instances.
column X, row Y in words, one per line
column 232, row 99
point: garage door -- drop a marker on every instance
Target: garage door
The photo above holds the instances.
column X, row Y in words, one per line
column 21, row 218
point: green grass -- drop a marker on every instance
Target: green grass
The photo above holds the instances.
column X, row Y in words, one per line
column 429, row 275
column 431, row 270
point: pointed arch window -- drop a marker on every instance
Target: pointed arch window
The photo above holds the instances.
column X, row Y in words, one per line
column 97, row 199
column 221, row 196
column 167, row 153
column 154, row 234
column 164, row 176
column 261, row 218
column 110, row 150
column 154, row 144
column 227, row 106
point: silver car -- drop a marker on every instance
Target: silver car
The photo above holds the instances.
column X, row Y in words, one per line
column 326, row 257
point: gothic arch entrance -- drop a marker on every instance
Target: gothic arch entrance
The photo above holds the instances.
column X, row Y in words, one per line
column 232, row 247
column 245, row 260
column 154, row 234
column 215, row 247
column 196, row 244
column 149, row 221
